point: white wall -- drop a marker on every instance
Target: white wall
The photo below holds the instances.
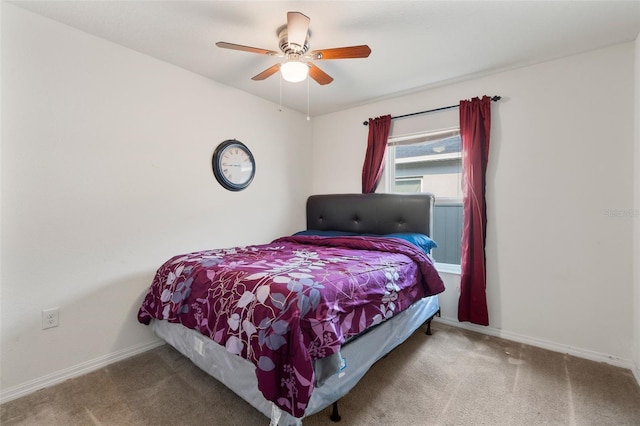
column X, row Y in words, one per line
column 636, row 221
column 559, row 268
column 106, row 173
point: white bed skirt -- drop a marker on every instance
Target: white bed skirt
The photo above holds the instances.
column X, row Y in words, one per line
column 238, row 374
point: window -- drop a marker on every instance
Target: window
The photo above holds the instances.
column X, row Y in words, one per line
column 432, row 162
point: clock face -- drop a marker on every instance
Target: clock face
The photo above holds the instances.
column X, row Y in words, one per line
column 233, row 165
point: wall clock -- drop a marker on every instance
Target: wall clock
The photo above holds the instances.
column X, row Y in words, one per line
column 233, row 165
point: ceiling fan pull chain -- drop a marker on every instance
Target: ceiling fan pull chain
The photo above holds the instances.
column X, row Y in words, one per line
column 280, row 108
column 308, row 118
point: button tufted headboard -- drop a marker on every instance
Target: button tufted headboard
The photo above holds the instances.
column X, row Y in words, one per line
column 371, row 213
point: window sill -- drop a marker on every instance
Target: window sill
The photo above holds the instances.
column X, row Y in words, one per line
column 448, row 268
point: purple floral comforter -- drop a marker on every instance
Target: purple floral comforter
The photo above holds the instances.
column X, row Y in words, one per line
column 284, row 304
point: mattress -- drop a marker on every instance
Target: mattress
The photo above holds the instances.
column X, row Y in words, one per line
column 291, row 304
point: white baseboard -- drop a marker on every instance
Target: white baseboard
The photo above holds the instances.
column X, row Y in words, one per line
column 95, row 364
column 75, row 371
column 552, row 346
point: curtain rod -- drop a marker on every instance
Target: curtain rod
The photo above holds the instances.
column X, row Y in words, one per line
column 494, row 99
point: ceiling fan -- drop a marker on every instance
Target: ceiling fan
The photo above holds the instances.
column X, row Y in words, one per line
column 294, row 44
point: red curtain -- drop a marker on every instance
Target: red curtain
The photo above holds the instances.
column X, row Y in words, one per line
column 376, row 150
column 475, row 125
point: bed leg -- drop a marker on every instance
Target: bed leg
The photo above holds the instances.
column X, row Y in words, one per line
column 335, row 417
column 429, row 322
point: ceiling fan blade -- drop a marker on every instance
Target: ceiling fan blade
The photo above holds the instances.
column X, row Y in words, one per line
column 349, row 52
column 297, row 28
column 267, row 73
column 318, row 75
column 250, row 49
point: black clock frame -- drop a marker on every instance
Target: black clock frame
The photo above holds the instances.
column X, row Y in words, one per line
column 217, row 166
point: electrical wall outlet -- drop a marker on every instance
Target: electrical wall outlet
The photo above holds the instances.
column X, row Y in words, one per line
column 50, row 318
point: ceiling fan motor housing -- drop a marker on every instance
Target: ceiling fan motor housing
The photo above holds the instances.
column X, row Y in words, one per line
column 288, row 48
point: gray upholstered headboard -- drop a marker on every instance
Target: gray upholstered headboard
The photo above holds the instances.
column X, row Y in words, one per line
column 371, row 213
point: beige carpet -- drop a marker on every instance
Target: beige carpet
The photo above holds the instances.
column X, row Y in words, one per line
column 454, row 377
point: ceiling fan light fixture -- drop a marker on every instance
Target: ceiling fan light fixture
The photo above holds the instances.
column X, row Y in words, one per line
column 294, row 71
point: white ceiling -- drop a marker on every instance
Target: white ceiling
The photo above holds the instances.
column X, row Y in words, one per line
column 415, row 44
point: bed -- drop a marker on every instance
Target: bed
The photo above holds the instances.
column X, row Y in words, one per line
column 292, row 326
